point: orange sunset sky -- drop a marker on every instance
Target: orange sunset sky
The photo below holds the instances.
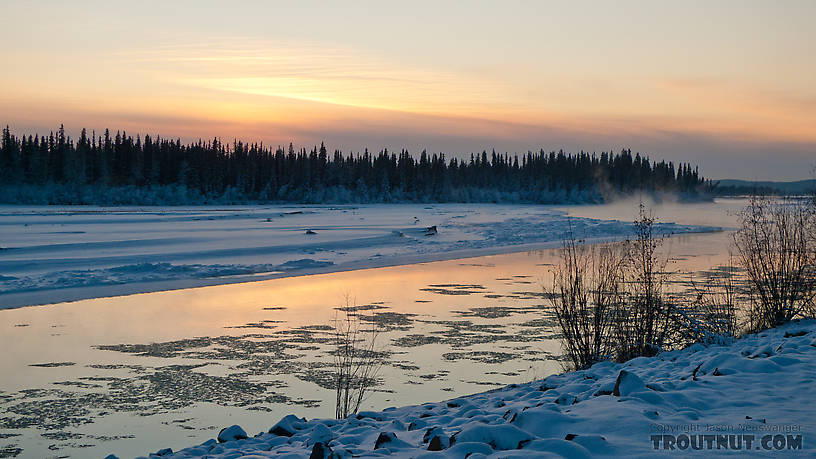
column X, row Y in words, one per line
column 728, row 85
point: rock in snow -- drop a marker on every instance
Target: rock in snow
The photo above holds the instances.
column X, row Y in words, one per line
column 320, row 450
column 320, row 434
column 499, row 437
column 287, row 426
column 230, row 433
column 627, row 383
column 389, row 440
column 645, row 407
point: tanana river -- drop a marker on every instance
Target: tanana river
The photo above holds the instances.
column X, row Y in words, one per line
column 136, row 373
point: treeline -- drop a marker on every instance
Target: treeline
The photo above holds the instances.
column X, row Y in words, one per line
column 239, row 172
column 746, row 190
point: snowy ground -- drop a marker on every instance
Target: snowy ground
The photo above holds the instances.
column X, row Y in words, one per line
column 53, row 254
column 753, row 397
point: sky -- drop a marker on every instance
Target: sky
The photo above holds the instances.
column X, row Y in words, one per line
column 727, row 85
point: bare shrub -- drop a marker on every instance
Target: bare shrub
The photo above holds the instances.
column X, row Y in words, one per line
column 356, row 360
column 646, row 323
column 610, row 300
column 811, row 230
column 585, row 296
column 776, row 245
column 711, row 317
column 613, row 304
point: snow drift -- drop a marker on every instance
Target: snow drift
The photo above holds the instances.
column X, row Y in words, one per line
column 752, row 397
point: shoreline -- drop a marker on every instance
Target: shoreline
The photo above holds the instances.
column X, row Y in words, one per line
column 683, row 398
column 47, row 297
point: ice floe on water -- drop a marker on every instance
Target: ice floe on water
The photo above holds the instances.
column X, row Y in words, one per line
column 751, row 397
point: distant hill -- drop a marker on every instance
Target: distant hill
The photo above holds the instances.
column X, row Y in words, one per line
column 733, row 187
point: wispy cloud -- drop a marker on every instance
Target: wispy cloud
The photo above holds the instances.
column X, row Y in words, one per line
column 312, row 72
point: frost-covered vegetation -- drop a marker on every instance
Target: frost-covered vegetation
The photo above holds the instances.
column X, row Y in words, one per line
column 357, row 359
column 752, row 395
column 117, row 169
column 652, row 376
column 776, row 246
column 611, row 301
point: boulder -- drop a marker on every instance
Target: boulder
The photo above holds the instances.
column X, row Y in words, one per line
column 287, row 426
column 389, row 440
column 417, row 424
column 432, row 432
column 370, row 415
column 501, row 437
column 231, row 433
column 438, row 443
column 384, row 439
column 627, row 383
column 320, row 450
column 320, row 434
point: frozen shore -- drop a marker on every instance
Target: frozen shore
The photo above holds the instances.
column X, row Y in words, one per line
column 753, row 397
column 55, row 254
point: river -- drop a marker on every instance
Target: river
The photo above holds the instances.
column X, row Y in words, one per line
column 133, row 374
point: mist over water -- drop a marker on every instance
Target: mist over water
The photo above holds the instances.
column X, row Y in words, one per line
column 102, row 375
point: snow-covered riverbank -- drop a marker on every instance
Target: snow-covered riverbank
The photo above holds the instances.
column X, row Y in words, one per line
column 752, row 397
column 53, row 254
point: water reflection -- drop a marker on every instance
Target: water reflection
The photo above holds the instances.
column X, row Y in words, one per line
column 96, row 376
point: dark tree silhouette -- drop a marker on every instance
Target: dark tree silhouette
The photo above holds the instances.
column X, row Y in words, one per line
column 243, row 172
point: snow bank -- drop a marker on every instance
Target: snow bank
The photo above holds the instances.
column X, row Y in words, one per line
column 52, row 254
column 753, row 397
